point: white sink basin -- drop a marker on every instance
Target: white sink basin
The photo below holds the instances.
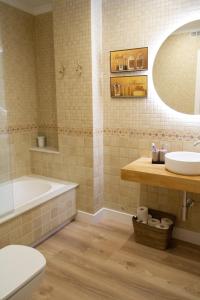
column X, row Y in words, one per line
column 181, row 162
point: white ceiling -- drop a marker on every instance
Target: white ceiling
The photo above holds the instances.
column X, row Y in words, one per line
column 34, row 7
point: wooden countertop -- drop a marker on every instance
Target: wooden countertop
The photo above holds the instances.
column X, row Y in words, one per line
column 143, row 171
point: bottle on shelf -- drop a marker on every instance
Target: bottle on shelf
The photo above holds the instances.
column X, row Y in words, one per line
column 117, row 89
column 125, row 67
column 116, row 63
column 121, row 63
column 140, row 61
column 131, row 63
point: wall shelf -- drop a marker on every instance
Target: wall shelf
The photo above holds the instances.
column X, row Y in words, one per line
column 143, row 171
column 45, row 150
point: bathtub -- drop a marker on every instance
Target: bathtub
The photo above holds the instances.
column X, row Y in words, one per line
column 28, row 192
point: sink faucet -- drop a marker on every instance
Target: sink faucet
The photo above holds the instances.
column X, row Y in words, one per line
column 196, row 143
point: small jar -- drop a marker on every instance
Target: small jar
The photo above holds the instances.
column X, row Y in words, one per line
column 41, row 141
column 140, row 62
column 131, row 63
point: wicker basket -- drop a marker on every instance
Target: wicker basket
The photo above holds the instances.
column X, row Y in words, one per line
column 152, row 236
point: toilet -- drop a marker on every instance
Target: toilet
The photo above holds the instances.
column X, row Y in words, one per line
column 21, row 270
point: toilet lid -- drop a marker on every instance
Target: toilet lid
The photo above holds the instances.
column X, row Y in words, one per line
column 18, row 265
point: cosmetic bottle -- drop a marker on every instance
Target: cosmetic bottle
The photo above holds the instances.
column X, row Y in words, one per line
column 155, row 154
column 121, row 91
column 117, row 89
column 131, row 63
column 121, row 63
column 129, row 90
column 125, row 67
column 140, row 61
column 116, row 63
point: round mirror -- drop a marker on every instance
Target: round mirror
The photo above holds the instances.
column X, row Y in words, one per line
column 176, row 70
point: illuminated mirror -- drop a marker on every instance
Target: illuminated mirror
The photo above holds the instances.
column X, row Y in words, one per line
column 176, row 70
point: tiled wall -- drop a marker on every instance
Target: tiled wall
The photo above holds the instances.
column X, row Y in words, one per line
column 29, row 227
column 47, row 112
column 5, row 167
column 131, row 125
column 19, row 84
column 73, row 163
column 79, row 102
column 27, row 87
column 18, row 35
column 72, row 44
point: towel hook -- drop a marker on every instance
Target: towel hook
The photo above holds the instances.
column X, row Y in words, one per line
column 79, row 69
column 62, row 71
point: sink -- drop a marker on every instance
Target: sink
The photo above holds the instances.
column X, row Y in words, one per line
column 181, row 162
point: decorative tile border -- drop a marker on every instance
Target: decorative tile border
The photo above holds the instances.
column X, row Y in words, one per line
column 18, row 129
column 61, row 130
column 75, row 131
column 48, row 126
column 161, row 134
column 80, row 131
column 25, row 128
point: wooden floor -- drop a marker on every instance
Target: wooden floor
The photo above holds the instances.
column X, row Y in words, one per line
column 100, row 262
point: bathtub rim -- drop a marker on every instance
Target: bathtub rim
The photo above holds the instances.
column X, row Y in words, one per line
column 68, row 186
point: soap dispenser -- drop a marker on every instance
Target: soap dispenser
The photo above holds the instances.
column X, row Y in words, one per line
column 163, row 151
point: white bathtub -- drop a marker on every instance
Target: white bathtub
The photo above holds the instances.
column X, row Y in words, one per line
column 28, row 192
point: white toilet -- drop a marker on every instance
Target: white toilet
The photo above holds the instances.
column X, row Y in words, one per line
column 21, row 269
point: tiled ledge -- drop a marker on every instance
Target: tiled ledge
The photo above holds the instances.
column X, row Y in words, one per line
column 45, row 150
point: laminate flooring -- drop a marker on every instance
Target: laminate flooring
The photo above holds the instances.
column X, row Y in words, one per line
column 103, row 262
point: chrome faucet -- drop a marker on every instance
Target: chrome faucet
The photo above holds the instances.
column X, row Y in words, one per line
column 196, row 143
